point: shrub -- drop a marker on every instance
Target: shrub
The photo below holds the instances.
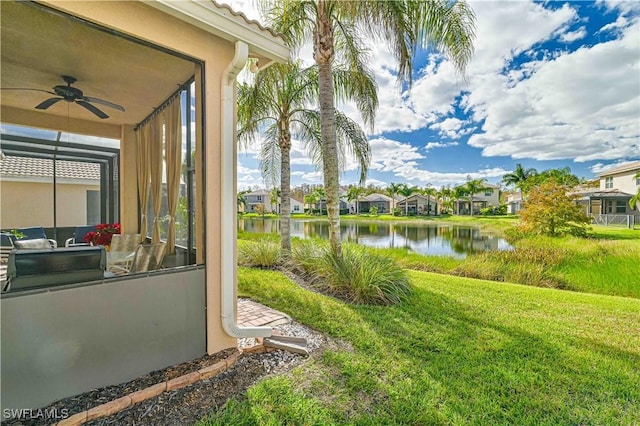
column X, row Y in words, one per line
column 549, row 210
column 373, row 211
column 357, row 276
column 263, row 253
column 304, row 255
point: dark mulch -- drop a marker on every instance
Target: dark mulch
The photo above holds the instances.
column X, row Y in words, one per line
column 182, row 406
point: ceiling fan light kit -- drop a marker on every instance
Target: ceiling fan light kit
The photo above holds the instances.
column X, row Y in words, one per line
column 72, row 94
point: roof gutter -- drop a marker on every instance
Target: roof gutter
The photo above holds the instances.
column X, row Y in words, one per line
column 228, row 204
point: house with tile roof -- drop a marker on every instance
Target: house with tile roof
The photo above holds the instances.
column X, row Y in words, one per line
column 27, row 195
column 489, row 197
column 617, row 186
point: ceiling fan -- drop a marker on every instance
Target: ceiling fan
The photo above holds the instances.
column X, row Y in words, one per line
column 73, row 94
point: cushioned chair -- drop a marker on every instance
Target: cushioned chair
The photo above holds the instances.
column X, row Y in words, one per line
column 31, row 269
column 78, row 236
column 6, row 245
column 148, row 258
column 33, row 244
column 35, row 233
column 123, row 243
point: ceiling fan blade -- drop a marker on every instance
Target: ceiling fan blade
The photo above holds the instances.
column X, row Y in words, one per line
column 105, row 103
column 46, row 104
column 93, row 109
column 25, row 88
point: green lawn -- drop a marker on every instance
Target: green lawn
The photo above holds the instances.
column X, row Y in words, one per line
column 606, row 263
column 461, row 351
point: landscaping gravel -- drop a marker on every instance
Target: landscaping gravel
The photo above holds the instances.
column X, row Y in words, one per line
column 187, row 405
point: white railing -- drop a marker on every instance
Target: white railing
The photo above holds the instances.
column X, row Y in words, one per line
column 627, row 220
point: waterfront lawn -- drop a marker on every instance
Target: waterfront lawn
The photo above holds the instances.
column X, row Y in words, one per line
column 461, row 351
column 607, row 263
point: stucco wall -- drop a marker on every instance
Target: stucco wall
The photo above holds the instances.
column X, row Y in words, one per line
column 625, row 182
column 71, row 340
column 31, row 204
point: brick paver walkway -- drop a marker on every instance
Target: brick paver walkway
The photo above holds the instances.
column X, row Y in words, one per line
column 253, row 314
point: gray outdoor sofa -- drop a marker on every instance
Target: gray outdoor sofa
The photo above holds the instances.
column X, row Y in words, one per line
column 31, row 269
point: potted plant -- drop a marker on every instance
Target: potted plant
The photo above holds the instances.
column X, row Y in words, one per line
column 102, row 235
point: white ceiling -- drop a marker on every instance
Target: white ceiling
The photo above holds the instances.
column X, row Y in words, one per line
column 38, row 47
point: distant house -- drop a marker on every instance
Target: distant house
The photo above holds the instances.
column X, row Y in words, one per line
column 419, row 204
column 255, row 199
column 297, row 206
column 29, row 180
column 617, row 186
column 380, row 201
column 514, row 202
column 490, row 197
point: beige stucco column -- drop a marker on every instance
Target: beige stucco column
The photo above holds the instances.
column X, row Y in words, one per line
column 128, row 181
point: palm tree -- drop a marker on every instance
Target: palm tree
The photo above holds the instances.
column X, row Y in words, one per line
column 444, row 195
column 635, row 200
column 311, row 200
column 392, row 190
column 336, row 27
column 429, row 191
column 353, row 194
column 517, row 177
column 241, row 200
column 320, row 195
column 406, row 192
column 473, row 186
column 458, row 192
column 275, row 106
column 274, row 194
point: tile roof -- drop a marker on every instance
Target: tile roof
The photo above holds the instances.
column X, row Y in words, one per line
column 606, row 193
column 377, row 197
column 28, row 167
column 243, row 17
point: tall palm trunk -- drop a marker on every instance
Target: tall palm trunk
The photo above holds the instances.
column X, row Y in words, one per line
column 285, row 186
column 471, row 204
column 324, row 54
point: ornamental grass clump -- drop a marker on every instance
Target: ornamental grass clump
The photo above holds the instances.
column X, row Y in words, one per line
column 263, row 253
column 357, row 276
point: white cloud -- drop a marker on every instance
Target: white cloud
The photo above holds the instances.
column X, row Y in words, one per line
column 248, row 178
column 391, row 156
column 452, row 128
column 312, row 177
column 432, row 145
column 601, row 167
column 376, row 182
column 578, row 34
column 582, row 105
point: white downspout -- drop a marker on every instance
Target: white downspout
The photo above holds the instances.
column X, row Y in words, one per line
column 229, row 199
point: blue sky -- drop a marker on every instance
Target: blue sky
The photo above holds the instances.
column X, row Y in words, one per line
column 551, row 84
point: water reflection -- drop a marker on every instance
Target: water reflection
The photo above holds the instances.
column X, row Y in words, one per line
column 433, row 238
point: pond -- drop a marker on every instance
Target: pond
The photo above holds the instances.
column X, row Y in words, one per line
column 440, row 239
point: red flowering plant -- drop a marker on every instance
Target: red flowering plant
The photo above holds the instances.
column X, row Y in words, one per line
column 102, row 235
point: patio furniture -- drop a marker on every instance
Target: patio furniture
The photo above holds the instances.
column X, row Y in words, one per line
column 124, row 247
column 78, row 236
column 119, row 262
column 148, row 257
column 6, row 245
column 33, row 244
column 31, row 269
column 34, row 233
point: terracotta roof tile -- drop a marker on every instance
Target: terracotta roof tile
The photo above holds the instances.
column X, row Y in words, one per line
column 28, row 167
column 250, row 22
